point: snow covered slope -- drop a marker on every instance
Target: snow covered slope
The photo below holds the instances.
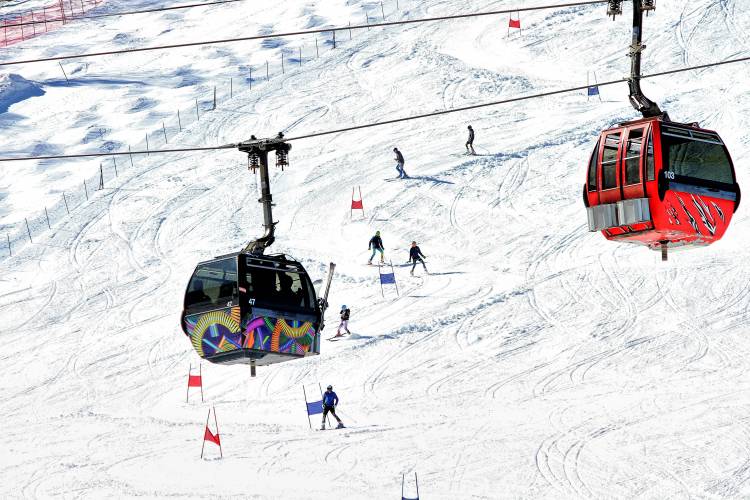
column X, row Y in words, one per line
column 537, row 360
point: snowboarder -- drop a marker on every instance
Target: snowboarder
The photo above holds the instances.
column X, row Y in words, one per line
column 415, row 255
column 470, row 142
column 376, row 244
column 400, row 164
column 345, row 312
column 330, row 400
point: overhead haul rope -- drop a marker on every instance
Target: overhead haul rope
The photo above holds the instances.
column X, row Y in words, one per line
column 386, row 122
column 301, row 33
column 127, row 13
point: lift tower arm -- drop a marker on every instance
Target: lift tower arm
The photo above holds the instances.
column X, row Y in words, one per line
column 640, row 102
column 257, row 151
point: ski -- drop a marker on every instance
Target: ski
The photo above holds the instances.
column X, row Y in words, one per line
column 323, row 301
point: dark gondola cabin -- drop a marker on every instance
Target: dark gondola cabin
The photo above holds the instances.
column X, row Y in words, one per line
column 661, row 184
column 252, row 308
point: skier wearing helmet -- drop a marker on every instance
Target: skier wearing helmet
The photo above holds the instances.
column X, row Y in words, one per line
column 330, row 400
column 376, row 244
column 400, row 164
column 345, row 312
column 470, row 142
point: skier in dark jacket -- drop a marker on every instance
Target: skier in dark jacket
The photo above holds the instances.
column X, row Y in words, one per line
column 330, row 400
column 470, row 142
column 400, row 164
column 345, row 312
column 376, row 244
column 415, row 255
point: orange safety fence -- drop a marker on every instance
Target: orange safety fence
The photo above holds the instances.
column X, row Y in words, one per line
column 17, row 27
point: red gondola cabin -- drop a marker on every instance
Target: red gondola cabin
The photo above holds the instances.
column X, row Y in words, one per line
column 661, row 184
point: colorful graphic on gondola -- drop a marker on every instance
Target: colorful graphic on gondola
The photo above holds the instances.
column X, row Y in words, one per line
column 215, row 332
column 218, row 332
column 279, row 335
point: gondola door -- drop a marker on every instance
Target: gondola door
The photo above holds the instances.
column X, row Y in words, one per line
column 631, row 177
column 610, row 190
column 591, row 189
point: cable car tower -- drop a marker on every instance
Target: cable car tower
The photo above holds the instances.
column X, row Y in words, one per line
column 249, row 307
column 656, row 182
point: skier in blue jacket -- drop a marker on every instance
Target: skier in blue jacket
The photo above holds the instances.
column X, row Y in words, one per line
column 330, row 400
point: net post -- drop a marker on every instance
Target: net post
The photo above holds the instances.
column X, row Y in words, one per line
column 200, row 374
column 394, row 279
column 203, row 446
column 218, row 434
column 304, row 392
column 187, row 391
column 28, row 229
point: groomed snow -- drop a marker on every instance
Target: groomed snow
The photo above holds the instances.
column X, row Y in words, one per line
column 537, row 360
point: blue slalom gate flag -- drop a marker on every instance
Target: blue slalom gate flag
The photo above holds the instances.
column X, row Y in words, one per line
column 593, row 91
column 315, row 408
column 388, row 279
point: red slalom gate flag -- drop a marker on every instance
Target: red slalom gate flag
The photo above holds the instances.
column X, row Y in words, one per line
column 194, row 381
column 208, row 436
column 514, row 23
column 357, row 204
